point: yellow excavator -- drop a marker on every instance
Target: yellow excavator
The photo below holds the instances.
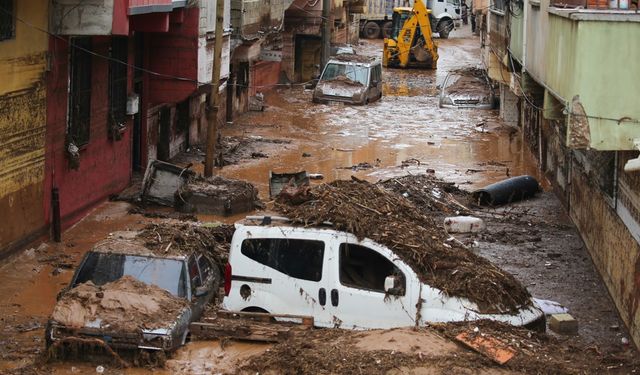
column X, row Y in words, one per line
column 410, row 44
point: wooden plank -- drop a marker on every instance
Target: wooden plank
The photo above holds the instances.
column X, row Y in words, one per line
column 305, row 320
column 243, row 329
column 488, row 346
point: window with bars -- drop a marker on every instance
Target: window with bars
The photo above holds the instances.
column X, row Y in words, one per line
column 7, row 20
column 118, row 82
column 80, row 90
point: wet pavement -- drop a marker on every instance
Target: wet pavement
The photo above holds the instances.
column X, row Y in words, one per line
column 469, row 147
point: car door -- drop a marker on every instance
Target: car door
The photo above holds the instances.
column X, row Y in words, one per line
column 358, row 297
column 196, row 281
column 282, row 271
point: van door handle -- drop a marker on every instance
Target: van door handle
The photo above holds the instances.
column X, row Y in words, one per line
column 322, row 296
column 334, row 297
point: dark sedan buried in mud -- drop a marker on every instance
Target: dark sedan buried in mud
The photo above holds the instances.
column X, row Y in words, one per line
column 133, row 299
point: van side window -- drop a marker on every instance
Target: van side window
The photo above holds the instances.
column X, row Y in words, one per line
column 363, row 268
column 301, row 259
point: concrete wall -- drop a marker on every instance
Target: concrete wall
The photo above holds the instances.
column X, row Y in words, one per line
column 22, row 127
column 613, row 249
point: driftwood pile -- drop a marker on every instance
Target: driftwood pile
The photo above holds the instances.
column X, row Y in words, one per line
column 368, row 210
column 429, row 193
column 180, row 239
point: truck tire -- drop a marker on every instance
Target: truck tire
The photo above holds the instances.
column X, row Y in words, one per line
column 444, row 27
column 371, row 30
column 386, row 29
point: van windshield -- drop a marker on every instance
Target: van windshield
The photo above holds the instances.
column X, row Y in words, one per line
column 102, row 268
column 354, row 73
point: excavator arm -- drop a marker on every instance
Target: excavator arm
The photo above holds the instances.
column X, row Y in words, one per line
column 413, row 45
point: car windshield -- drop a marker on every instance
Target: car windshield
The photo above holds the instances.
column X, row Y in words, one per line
column 102, row 268
column 355, row 73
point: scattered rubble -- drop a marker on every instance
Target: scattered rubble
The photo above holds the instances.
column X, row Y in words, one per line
column 368, row 210
column 238, row 149
column 124, row 305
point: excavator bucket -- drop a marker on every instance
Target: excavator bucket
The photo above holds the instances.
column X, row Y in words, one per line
column 424, row 57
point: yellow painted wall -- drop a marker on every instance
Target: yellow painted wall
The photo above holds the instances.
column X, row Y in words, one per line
column 22, row 123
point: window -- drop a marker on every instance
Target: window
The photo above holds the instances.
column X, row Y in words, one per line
column 194, row 273
column 301, row 259
column 205, row 267
column 7, row 20
column 376, row 74
column 499, row 5
column 352, row 72
column 101, row 268
column 80, row 90
column 118, row 84
column 363, row 268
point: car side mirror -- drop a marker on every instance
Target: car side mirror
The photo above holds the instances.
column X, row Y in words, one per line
column 390, row 286
column 201, row 291
column 374, row 83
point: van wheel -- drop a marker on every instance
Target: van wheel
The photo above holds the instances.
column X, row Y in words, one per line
column 371, row 30
column 255, row 309
column 444, row 27
column 386, row 29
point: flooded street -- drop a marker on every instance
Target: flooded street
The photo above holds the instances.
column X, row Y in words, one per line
column 403, row 133
column 405, row 125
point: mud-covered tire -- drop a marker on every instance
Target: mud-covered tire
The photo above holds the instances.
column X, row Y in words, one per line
column 386, row 29
column 444, row 28
column 371, row 30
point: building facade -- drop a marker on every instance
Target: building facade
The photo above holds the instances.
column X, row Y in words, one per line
column 565, row 72
column 23, row 65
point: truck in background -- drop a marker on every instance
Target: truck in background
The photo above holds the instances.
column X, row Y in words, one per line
column 375, row 18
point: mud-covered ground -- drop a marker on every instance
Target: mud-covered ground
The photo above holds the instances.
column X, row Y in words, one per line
column 404, row 133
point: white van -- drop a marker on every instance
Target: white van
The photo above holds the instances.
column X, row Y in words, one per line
column 339, row 281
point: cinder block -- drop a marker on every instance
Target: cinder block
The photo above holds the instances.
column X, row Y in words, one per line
column 564, row 324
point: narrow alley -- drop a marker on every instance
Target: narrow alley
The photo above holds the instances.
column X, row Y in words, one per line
column 529, row 287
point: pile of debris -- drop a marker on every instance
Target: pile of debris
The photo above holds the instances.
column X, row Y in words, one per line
column 433, row 350
column 172, row 185
column 367, row 210
column 147, row 306
column 429, row 193
column 216, row 196
column 185, row 238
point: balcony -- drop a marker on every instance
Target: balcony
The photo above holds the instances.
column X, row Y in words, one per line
column 584, row 58
column 99, row 17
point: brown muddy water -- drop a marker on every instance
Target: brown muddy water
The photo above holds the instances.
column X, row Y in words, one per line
column 466, row 146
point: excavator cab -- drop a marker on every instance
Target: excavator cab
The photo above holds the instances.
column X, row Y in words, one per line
column 409, row 44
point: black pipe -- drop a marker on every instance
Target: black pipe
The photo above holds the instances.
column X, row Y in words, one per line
column 507, row 191
column 55, row 207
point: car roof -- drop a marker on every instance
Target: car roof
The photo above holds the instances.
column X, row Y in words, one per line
column 123, row 247
column 350, row 58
